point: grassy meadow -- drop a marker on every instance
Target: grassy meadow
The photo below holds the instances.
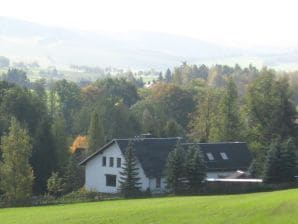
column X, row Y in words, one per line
column 270, row 207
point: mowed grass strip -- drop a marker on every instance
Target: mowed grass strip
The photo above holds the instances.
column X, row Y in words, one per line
column 270, row 207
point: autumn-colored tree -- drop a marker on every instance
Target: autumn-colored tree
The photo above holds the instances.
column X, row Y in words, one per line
column 80, row 142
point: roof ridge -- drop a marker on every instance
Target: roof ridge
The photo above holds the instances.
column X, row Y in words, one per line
column 145, row 138
column 212, row 143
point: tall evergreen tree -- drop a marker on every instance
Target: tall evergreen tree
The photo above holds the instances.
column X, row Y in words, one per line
column 227, row 118
column 95, row 133
column 74, row 174
column 129, row 179
column 168, row 76
column 44, row 155
column 195, row 168
column 60, row 138
column 176, row 169
column 280, row 164
column 15, row 170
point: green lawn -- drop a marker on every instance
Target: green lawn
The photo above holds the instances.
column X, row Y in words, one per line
column 272, row 207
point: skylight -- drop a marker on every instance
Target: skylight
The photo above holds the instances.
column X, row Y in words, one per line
column 224, row 156
column 210, row 156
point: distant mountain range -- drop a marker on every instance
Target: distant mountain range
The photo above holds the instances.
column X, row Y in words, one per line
column 22, row 40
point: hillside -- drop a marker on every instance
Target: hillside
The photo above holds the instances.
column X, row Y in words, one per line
column 273, row 207
column 26, row 41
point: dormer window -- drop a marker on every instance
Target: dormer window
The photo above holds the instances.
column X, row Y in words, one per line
column 210, row 156
column 224, row 156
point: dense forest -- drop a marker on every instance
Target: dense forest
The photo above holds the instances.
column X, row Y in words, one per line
column 54, row 119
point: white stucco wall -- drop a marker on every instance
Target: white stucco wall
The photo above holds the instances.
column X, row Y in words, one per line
column 95, row 178
column 154, row 189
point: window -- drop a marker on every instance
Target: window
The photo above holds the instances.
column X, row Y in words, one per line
column 111, row 161
column 110, row 180
column 210, row 156
column 224, row 156
column 104, row 161
column 158, row 182
column 118, row 162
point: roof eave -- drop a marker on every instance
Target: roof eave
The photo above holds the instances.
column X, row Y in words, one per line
column 84, row 161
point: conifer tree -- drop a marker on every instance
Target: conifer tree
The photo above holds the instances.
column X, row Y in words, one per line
column 60, row 138
column 129, row 179
column 74, row 174
column 195, row 168
column 168, row 76
column 95, row 133
column 280, row 164
column 228, row 127
column 176, row 169
column 15, row 170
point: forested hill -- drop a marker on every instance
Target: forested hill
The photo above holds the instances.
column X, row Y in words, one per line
column 206, row 104
column 25, row 41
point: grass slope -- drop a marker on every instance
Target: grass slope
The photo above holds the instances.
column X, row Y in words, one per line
column 272, row 207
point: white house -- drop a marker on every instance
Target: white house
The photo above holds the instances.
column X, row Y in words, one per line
column 103, row 167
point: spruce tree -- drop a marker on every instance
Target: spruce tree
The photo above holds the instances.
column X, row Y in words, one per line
column 74, row 175
column 168, row 76
column 95, row 133
column 280, row 164
column 176, row 169
column 129, row 180
column 229, row 122
column 15, row 170
column 195, row 168
column 60, row 138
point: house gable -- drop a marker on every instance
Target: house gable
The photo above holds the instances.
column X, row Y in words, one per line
column 103, row 170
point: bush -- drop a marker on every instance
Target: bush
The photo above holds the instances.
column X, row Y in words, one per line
column 82, row 195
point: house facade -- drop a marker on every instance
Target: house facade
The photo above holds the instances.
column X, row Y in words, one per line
column 102, row 168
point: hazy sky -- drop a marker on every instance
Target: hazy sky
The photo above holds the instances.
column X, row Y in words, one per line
column 232, row 22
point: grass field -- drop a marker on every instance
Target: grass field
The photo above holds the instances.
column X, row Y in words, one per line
column 272, row 207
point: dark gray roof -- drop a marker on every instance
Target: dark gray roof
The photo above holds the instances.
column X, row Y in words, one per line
column 238, row 155
column 152, row 153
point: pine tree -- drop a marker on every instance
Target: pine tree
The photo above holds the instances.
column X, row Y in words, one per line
column 60, row 138
column 15, row 170
column 95, row 133
column 195, row 168
column 74, row 175
column 168, row 76
column 228, row 116
column 176, row 169
column 280, row 164
column 129, row 180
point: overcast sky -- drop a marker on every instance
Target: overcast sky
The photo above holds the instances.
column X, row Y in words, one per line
column 243, row 23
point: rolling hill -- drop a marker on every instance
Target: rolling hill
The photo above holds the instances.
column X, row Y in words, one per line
column 27, row 41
